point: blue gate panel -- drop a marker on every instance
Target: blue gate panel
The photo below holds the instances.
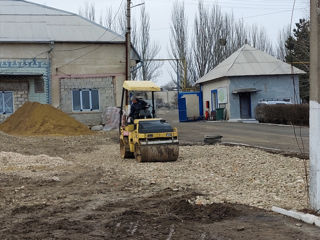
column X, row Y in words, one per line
column 182, row 106
column 182, row 110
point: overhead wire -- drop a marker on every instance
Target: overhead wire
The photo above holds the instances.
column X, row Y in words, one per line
column 87, row 53
column 253, row 16
column 105, row 31
column 265, row 14
column 245, row 5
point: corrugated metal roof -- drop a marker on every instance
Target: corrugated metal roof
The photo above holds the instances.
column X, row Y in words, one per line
column 248, row 61
column 22, row 21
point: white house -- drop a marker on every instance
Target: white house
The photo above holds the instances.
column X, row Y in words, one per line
column 244, row 79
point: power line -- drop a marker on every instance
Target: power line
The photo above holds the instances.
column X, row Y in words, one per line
column 294, row 4
column 87, row 53
column 259, row 15
column 244, row 5
column 101, row 36
column 265, row 14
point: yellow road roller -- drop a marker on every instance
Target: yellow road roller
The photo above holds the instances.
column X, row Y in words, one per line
column 143, row 136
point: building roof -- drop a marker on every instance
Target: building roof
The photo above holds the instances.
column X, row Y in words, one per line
column 23, row 21
column 249, row 61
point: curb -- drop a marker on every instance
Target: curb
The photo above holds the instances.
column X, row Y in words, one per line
column 258, row 123
column 305, row 217
column 270, row 150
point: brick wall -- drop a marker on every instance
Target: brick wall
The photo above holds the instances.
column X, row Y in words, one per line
column 106, row 97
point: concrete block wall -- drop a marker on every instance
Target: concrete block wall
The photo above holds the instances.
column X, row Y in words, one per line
column 269, row 87
column 106, row 97
column 102, row 60
column 20, row 97
column 206, row 89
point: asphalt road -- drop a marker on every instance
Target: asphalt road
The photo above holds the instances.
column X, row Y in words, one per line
column 262, row 135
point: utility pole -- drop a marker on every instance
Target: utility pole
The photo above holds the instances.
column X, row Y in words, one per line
column 315, row 105
column 128, row 41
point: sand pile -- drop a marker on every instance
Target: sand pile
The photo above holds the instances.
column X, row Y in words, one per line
column 35, row 119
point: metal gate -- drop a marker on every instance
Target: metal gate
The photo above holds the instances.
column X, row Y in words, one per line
column 190, row 106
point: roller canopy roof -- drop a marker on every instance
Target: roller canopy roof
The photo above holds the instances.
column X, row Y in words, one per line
column 141, row 86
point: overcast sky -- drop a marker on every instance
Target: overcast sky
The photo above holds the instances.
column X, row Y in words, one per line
column 273, row 15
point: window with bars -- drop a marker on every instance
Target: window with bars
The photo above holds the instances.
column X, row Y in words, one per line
column 39, row 85
column 85, row 100
column 6, row 102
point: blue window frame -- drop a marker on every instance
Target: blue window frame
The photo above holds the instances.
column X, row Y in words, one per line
column 85, row 100
column 6, row 102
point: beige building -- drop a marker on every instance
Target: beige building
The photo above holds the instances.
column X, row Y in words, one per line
column 56, row 57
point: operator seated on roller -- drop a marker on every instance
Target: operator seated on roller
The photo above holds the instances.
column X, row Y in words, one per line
column 138, row 109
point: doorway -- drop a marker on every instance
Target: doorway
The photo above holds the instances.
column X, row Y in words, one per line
column 245, row 105
column 214, row 100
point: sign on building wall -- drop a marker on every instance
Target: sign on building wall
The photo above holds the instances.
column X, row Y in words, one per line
column 222, row 95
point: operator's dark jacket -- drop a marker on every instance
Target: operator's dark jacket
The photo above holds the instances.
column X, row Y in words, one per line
column 136, row 107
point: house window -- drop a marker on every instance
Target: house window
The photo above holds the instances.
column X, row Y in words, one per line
column 85, row 100
column 6, row 102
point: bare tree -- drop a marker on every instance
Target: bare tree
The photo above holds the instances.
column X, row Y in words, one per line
column 115, row 21
column 281, row 50
column 215, row 38
column 179, row 48
column 202, row 47
column 147, row 49
column 241, row 37
column 258, row 38
column 135, row 41
column 120, row 21
column 107, row 19
column 217, row 35
column 88, row 11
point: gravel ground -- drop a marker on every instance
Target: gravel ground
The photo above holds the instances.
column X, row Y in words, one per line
column 224, row 174
column 79, row 188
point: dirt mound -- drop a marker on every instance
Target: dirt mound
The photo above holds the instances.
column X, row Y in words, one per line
column 185, row 211
column 210, row 213
column 35, row 119
column 178, row 208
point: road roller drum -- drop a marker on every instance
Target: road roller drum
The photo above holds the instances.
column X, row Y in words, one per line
column 147, row 138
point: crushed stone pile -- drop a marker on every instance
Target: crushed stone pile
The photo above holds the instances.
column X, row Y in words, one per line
column 35, row 119
column 40, row 166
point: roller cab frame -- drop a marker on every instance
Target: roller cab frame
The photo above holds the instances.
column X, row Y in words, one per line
column 147, row 139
